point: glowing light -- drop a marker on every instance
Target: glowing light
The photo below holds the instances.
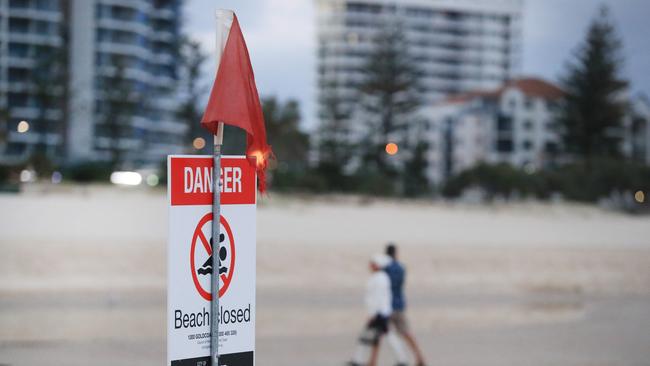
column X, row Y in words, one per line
column 639, row 196
column 198, row 143
column 126, row 178
column 23, row 126
column 392, row 148
column 259, row 157
column 27, row 176
column 57, row 177
column 152, row 180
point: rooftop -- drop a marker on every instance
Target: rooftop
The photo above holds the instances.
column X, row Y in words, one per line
column 531, row 87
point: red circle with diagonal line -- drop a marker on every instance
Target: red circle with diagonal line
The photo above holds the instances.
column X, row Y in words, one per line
column 200, row 237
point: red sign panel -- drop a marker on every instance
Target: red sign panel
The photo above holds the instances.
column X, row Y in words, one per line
column 190, row 178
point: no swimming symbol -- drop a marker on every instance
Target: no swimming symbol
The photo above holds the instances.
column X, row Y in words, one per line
column 201, row 276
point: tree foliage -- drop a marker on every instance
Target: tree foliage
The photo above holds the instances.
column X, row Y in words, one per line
column 5, row 117
column 192, row 58
column 593, row 108
column 334, row 140
column 499, row 180
column 389, row 94
column 416, row 182
column 119, row 104
column 50, row 90
column 290, row 144
column 580, row 181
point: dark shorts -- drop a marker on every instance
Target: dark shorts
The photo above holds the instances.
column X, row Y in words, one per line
column 379, row 323
column 376, row 327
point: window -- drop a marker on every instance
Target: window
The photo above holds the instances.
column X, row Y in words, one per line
column 142, row 17
column 43, row 27
column 18, row 25
column 504, row 145
column 18, row 50
column 552, row 105
column 18, row 75
column 122, row 13
column 529, row 103
column 364, row 8
column 18, row 100
column 104, row 35
column 47, row 4
column 161, row 3
column 551, row 147
column 15, row 148
column 19, row 4
column 527, row 145
column 528, row 125
column 504, row 123
column 420, row 12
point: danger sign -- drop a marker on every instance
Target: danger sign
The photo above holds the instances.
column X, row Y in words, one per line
column 193, row 260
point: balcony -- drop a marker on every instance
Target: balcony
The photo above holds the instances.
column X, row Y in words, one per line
column 36, row 39
column 53, row 15
column 124, row 25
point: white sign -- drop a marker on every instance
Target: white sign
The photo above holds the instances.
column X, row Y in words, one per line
column 190, row 262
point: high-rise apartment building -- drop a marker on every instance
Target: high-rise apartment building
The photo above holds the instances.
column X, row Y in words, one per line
column 31, row 32
column 106, row 47
column 458, row 45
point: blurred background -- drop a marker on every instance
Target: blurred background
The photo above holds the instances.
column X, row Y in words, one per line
column 504, row 145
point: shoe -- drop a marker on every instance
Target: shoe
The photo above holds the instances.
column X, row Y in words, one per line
column 352, row 363
column 401, row 364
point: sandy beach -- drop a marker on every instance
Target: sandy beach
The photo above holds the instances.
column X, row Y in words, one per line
column 83, row 271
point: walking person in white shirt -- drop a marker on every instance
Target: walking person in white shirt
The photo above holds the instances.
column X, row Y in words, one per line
column 378, row 304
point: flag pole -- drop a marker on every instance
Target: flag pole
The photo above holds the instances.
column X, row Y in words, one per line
column 224, row 22
column 216, row 233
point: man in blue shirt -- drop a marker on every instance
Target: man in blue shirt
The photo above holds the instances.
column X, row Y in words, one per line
column 397, row 275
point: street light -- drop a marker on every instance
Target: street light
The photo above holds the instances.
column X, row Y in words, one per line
column 198, row 143
column 391, row 148
column 23, row 126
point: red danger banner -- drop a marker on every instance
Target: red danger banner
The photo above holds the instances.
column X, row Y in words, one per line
column 191, row 181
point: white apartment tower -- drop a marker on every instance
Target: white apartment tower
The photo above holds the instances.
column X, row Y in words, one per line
column 29, row 30
column 96, row 35
column 142, row 36
column 459, row 45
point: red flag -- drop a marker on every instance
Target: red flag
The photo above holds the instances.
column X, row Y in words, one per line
column 234, row 101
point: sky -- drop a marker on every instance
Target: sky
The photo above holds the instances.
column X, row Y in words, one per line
column 281, row 39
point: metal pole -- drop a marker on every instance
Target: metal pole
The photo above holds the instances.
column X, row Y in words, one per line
column 216, row 232
column 224, row 22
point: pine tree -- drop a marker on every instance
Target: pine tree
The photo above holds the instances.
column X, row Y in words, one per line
column 192, row 59
column 5, row 117
column 49, row 86
column 290, row 144
column 416, row 182
column 120, row 102
column 333, row 139
column 389, row 94
column 592, row 111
